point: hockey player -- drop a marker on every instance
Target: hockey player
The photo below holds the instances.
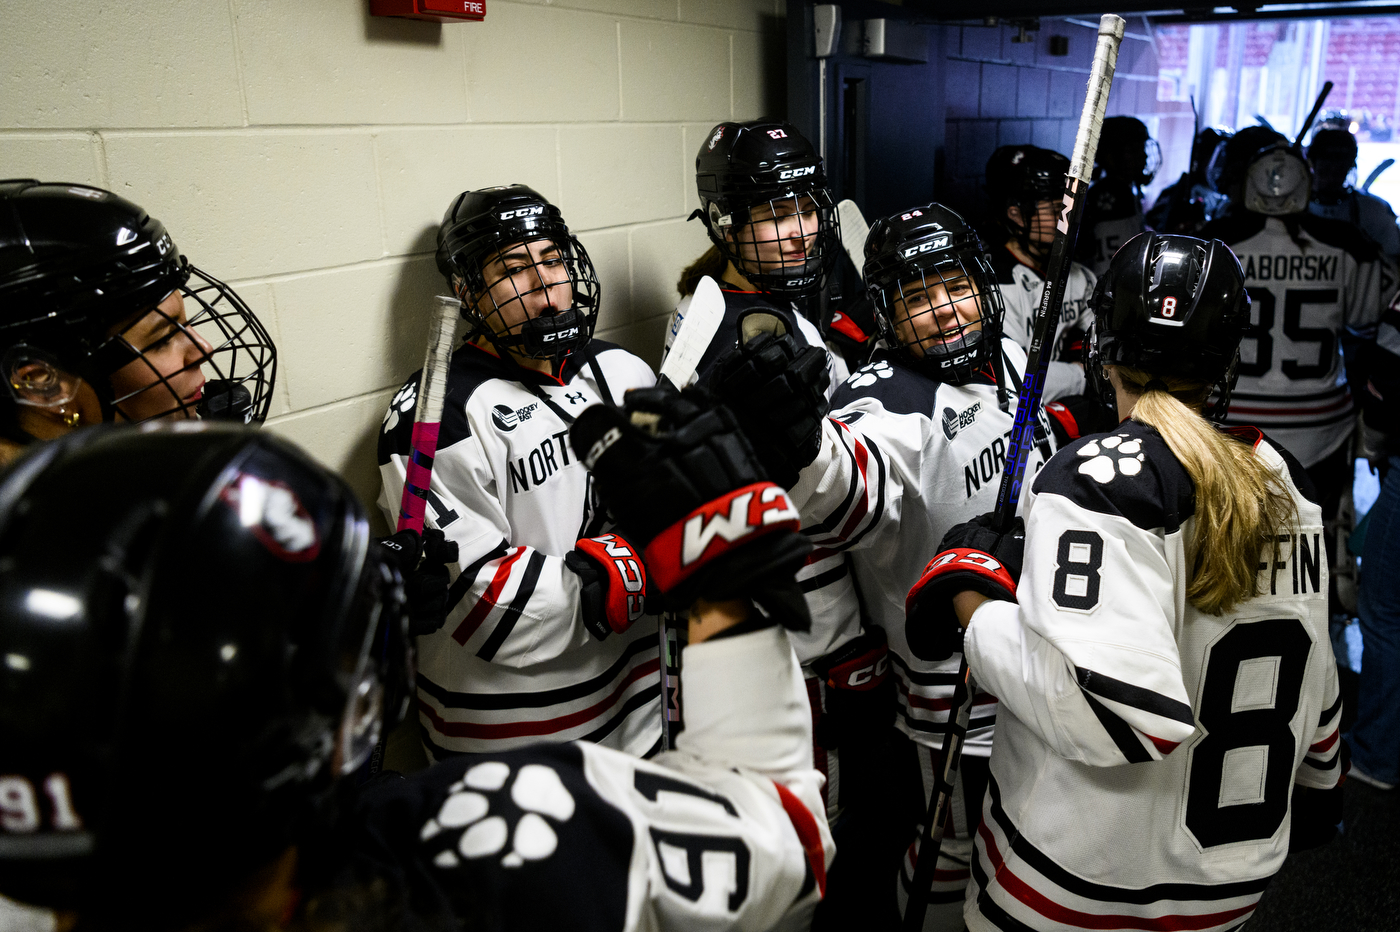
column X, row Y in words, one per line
column 770, row 215
column 916, row 443
column 1332, row 158
column 1163, row 662
column 275, row 691
column 102, row 320
column 1127, row 160
column 545, row 635
column 1185, row 206
column 1374, row 738
column 1314, row 284
column 1025, row 191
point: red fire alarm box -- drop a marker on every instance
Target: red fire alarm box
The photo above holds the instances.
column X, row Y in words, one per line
column 439, row 11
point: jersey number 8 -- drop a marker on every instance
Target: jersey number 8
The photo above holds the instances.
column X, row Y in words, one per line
column 1241, row 771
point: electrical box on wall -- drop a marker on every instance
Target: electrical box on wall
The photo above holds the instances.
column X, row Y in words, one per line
column 439, row 11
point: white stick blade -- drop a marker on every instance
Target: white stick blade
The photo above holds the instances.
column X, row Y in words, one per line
column 854, row 231
column 698, row 328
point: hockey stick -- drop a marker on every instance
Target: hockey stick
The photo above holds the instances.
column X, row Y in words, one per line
column 697, row 329
column 1375, row 173
column 1081, row 166
column 432, row 393
column 854, row 230
column 1312, row 114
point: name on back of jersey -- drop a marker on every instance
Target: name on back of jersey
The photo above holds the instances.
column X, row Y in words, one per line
column 1296, row 567
column 1290, row 268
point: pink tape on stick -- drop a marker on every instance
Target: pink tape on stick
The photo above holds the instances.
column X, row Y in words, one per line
column 420, row 474
column 432, row 394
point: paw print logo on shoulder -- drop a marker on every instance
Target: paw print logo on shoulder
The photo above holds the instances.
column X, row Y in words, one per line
column 1111, row 457
column 870, row 374
column 517, row 824
column 401, row 406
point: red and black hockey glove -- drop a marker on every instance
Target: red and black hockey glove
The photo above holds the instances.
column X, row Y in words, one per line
column 972, row 556
column 858, row 701
column 1075, row 416
column 777, row 390
column 687, row 487
column 422, row 561
column 614, row 583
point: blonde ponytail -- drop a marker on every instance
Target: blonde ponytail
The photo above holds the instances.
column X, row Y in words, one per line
column 1240, row 501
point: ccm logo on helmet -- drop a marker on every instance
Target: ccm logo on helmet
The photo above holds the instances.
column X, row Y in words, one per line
column 521, row 212
column 787, row 173
column 938, row 242
column 561, row 335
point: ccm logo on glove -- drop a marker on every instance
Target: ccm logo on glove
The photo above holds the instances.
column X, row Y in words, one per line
column 613, row 583
column 717, row 527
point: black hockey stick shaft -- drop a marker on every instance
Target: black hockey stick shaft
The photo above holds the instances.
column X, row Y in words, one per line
column 1057, row 268
column 1081, row 167
column 1312, row 114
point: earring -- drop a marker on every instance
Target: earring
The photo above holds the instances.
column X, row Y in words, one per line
column 69, row 418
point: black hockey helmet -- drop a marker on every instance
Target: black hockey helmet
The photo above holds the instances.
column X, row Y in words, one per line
column 927, row 262
column 750, row 177
column 1170, row 305
column 197, row 639
column 1127, row 148
column 473, row 242
column 1203, row 147
column 80, row 268
column 1023, row 177
column 1261, row 171
column 1332, row 158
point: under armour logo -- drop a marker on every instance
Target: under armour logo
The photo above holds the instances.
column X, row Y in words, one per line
column 575, row 398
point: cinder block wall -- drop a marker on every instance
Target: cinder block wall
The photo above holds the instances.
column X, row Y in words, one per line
column 305, row 152
column 1011, row 92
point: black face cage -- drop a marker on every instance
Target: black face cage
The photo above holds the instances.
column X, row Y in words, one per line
column 930, row 301
column 790, row 248
column 541, row 304
column 237, row 358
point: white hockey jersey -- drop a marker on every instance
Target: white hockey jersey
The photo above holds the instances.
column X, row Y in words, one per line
column 1145, row 751
column 1303, row 299
column 1021, row 289
column 903, row 459
column 723, row 833
column 514, row 663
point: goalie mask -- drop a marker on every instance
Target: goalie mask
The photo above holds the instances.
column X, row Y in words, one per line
column 189, row 678
column 93, row 289
column 1170, row 305
column 524, row 280
column 765, row 202
column 934, row 292
column 1259, row 168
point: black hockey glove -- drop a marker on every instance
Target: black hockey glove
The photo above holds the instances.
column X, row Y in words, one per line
column 1075, row 416
column 681, row 480
column 972, row 556
column 857, row 702
column 422, row 561
column 777, row 390
column 614, row 583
